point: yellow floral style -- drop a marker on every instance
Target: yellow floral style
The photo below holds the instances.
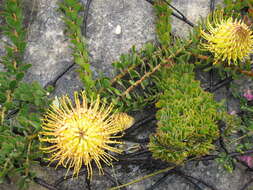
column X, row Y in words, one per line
column 81, row 134
column 228, row 39
column 123, row 120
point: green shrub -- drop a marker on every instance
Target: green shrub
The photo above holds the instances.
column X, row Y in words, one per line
column 187, row 117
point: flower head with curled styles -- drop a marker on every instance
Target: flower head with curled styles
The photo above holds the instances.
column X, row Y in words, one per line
column 123, row 120
column 228, row 39
column 81, row 134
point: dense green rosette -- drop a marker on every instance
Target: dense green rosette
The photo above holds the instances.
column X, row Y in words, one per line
column 187, row 117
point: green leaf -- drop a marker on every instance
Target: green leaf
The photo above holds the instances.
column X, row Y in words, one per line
column 2, row 97
column 105, row 83
column 19, row 76
column 24, row 67
column 13, row 84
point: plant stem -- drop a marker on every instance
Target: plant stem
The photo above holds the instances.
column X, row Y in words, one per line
column 145, row 177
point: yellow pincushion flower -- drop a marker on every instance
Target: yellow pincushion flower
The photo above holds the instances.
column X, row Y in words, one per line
column 81, row 134
column 123, row 120
column 228, row 39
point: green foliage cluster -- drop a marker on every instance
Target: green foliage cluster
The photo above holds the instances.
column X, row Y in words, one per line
column 232, row 7
column 134, row 87
column 131, row 88
column 73, row 21
column 163, row 26
column 245, row 141
column 21, row 104
column 187, row 117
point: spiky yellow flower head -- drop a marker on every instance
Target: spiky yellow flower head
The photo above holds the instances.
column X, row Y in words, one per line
column 81, row 134
column 228, row 39
column 123, row 120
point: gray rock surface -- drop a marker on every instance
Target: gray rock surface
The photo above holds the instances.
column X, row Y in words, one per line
column 47, row 49
column 209, row 172
column 68, row 83
column 114, row 26
column 193, row 10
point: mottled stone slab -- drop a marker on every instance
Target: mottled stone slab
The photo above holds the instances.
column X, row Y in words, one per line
column 47, row 48
column 193, row 10
column 114, row 26
column 68, row 83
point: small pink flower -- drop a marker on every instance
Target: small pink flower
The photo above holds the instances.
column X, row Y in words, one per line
column 248, row 95
column 233, row 112
column 247, row 160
